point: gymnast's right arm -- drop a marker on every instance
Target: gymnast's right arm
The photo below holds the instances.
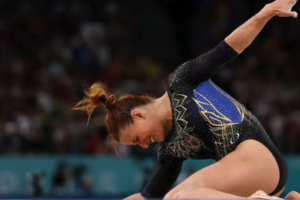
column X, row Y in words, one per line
column 161, row 182
column 243, row 36
column 206, row 65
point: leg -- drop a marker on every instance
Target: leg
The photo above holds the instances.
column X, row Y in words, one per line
column 206, row 193
column 214, row 194
column 251, row 167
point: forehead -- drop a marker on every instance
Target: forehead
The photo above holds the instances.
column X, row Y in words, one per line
column 127, row 135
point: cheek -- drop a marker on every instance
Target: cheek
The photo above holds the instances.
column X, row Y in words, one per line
column 146, row 128
column 156, row 128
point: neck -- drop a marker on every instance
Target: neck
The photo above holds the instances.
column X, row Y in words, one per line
column 163, row 105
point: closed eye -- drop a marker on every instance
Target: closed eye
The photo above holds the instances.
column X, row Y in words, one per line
column 136, row 140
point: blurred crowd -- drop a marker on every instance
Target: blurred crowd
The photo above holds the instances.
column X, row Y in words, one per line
column 49, row 51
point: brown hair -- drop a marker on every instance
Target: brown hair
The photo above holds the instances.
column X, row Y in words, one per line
column 118, row 111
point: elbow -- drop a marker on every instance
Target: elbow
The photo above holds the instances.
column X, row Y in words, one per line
column 234, row 45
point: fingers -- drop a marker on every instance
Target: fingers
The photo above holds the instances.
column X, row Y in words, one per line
column 294, row 14
column 290, row 14
column 283, row 8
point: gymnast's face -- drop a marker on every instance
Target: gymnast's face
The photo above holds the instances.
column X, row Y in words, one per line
column 145, row 130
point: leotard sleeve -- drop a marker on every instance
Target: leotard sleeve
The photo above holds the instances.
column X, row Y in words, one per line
column 162, row 180
column 202, row 68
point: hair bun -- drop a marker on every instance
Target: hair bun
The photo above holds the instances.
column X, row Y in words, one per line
column 110, row 101
column 101, row 99
column 96, row 95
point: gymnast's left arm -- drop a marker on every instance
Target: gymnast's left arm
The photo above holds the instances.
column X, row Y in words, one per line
column 207, row 64
column 161, row 182
column 163, row 179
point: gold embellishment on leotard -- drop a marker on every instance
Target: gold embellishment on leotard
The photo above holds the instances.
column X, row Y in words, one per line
column 215, row 117
column 180, row 111
column 221, row 126
column 184, row 143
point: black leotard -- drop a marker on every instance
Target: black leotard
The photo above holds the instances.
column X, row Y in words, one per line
column 207, row 122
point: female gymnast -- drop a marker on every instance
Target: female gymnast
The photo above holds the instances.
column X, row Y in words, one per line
column 195, row 119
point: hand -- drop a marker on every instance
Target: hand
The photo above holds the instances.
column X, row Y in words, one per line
column 283, row 8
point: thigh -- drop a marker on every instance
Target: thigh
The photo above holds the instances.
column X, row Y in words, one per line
column 249, row 168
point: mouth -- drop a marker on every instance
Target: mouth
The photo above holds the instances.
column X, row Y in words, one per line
column 152, row 139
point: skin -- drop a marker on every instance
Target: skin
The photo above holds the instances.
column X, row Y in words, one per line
column 260, row 193
column 236, row 175
column 148, row 123
column 293, row 195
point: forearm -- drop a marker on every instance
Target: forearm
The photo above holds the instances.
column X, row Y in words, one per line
column 243, row 36
column 135, row 196
column 162, row 180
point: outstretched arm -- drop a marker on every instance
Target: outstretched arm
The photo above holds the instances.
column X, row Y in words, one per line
column 243, row 36
column 206, row 65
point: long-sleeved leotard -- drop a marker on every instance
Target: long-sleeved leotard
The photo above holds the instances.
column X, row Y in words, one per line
column 180, row 83
column 207, row 122
column 202, row 68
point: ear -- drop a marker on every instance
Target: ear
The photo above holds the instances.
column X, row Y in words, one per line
column 137, row 114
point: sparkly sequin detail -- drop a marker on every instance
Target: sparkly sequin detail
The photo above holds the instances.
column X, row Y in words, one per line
column 221, row 113
column 207, row 122
column 184, row 143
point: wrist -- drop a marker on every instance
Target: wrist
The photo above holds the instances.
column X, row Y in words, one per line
column 267, row 12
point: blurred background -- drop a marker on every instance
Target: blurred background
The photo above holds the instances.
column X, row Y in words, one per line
column 49, row 49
